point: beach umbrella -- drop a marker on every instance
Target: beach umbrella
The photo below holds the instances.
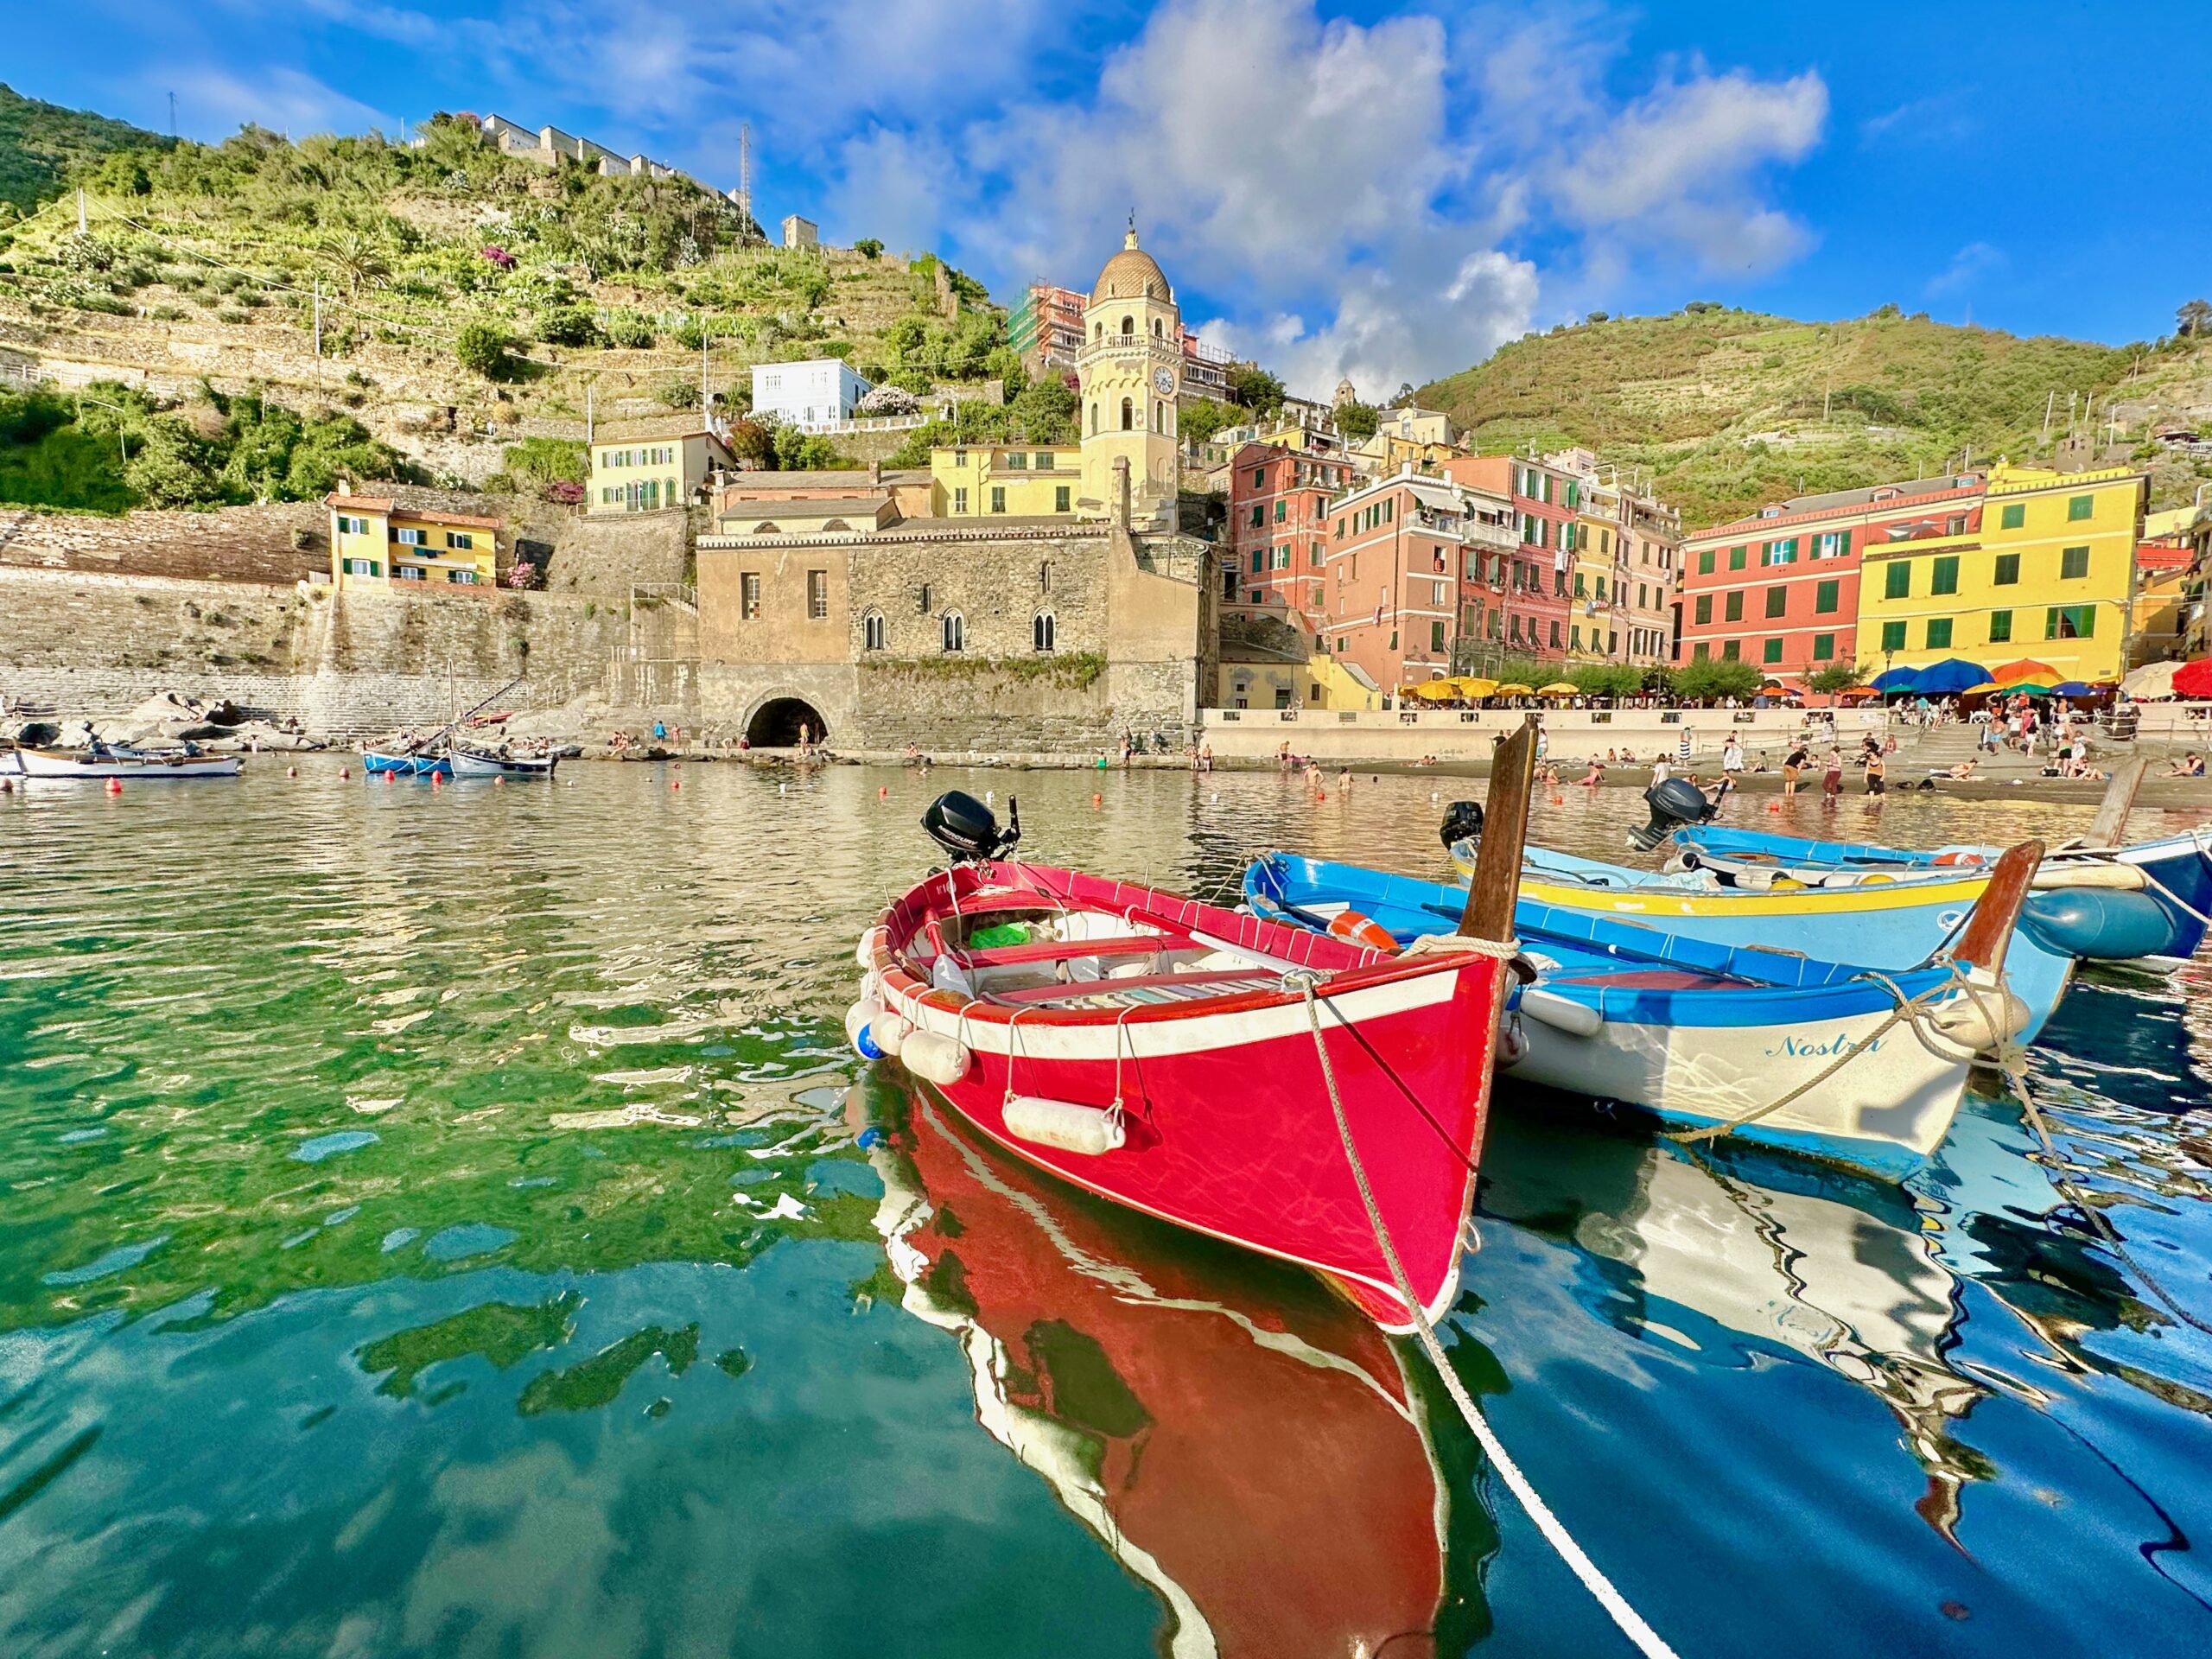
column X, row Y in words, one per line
column 1436, row 691
column 1981, row 690
column 1474, row 689
column 2194, row 679
column 1952, row 675
column 1889, row 680
column 2006, row 674
column 1859, row 693
column 2151, row 680
column 1560, row 689
column 2073, row 688
column 1514, row 690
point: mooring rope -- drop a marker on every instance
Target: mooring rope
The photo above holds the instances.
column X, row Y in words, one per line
column 1630, row 1623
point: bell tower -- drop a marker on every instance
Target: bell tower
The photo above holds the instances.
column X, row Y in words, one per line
column 1130, row 370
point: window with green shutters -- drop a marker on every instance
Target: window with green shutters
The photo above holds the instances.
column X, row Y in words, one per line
column 1827, row 598
column 1734, row 609
column 2081, row 506
column 1705, row 562
column 1436, row 636
column 1705, row 607
column 1896, row 581
column 1945, row 579
column 2012, row 517
column 1823, row 647
column 1578, row 584
column 1782, row 552
column 1892, row 636
column 2069, row 622
column 1777, row 601
column 1737, row 556
column 1259, row 560
column 2000, row 627
column 1573, row 493
column 1701, row 653
column 2073, row 563
column 1060, row 498
column 1282, row 508
column 1773, row 652
column 1733, row 652
column 1939, row 633
column 2008, row 570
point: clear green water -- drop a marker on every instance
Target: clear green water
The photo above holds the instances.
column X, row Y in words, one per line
column 431, row 1223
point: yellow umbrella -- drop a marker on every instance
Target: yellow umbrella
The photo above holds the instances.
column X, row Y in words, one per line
column 1983, row 689
column 1436, row 691
column 1474, row 689
column 1560, row 689
column 1515, row 690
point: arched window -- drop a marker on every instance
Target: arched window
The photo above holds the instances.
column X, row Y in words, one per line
column 1098, row 331
column 1041, row 631
column 1128, row 415
column 955, row 632
column 1129, row 328
column 1158, row 332
column 1094, row 417
column 1159, row 417
column 872, row 630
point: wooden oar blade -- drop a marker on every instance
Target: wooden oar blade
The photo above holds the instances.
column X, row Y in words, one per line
column 2111, row 822
column 1989, row 930
column 1496, row 885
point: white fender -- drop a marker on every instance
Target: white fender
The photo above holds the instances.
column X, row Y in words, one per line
column 1561, row 1012
column 864, row 953
column 934, row 1058
column 1091, row 1130
column 1968, row 1020
column 858, row 1018
column 2078, row 873
column 890, row 1032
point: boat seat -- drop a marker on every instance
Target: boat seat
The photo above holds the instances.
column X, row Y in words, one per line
column 1004, row 956
column 1244, row 978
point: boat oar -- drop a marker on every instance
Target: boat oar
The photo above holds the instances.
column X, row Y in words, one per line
column 1496, row 885
column 1989, row 929
column 2106, row 828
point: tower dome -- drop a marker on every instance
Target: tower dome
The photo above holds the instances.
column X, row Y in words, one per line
column 1131, row 274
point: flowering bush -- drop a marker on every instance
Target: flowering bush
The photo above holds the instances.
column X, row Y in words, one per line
column 567, row 491
column 888, row 400
column 525, row 574
column 498, row 257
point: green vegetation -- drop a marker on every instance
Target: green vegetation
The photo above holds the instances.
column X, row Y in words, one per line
column 1605, row 679
column 1256, row 389
column 42, row 145
column 115, row 447
column 1715, row 677
column 1729, row 409
column 1358, row 422
column 1074, row 670
column 1837, row 676
column 1043, row 411
column 1201, row 420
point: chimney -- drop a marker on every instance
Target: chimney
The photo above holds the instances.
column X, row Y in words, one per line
column 874, row 474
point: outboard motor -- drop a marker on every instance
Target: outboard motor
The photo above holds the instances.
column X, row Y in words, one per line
column 1462, row 821
column 1674, row 803
column 968, row 830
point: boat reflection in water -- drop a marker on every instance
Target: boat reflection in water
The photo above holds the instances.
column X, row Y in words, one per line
column 1248, row 1445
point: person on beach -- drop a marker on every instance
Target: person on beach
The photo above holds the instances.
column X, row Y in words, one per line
column 1594, row 777
column 1205, row 757
column 2190, row 765
column 1661, row 771
column 1876, row 768
column 1832, row 773
column 1792, row 764
column 1732, row 756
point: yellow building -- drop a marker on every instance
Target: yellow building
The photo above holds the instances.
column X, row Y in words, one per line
column 988, row 480
column 2047, row 574
column 1253, row 677
column 376, row 543
column 1591, row 627
column 651, row 469
column 1130, row 368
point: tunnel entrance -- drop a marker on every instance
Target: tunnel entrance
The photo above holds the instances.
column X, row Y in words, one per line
column 775, row 726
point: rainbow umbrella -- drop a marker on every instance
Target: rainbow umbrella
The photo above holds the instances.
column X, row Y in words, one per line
column 2027, row 669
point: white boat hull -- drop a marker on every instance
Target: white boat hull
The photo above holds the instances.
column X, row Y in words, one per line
column 466, row 765
column 81, row 767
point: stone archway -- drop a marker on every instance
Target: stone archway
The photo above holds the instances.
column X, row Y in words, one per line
column 775, row 724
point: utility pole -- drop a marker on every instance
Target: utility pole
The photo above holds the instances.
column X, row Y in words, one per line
column 706, row 409
column 2048, row 404
column 318, row 333
column 745, row 166
column 80, row 211
column 172, row 115
column 588, row 420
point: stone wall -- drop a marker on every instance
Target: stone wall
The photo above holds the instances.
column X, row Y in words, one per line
column 344, row 665
column 278, row 542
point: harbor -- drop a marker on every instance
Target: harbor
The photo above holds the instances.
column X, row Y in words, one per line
column 493, row 1165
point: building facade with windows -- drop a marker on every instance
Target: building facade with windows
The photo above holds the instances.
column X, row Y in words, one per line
column 1419, row 571
column 1782, row 589
column 995, row 480
column 1279, row 517
column 377, row 543
column 2045, row 571
column 651, row 469
column 1533, row 610
column 816, row 392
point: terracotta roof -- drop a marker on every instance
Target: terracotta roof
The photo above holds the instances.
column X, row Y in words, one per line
column 427, row 515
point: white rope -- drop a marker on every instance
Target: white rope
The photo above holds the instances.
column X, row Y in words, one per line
column 2172, row 897
column 1630, row 1623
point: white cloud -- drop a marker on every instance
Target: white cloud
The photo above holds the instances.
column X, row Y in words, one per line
column 213, row 101
column 1967, row 267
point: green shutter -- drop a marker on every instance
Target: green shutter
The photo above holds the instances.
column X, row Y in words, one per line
column 1898, row 584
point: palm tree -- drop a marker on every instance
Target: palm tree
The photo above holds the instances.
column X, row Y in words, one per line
column 358, row 260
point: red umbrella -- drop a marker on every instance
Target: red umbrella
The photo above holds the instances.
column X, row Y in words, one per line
column 2194, row 679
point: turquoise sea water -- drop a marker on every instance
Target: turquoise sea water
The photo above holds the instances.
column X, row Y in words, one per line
column 432, row 1222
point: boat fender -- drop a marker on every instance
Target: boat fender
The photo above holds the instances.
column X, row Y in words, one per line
column 1680, row 864
column 1091, row 1130
column 864, row 953
column 1561, row 1012
column 888, row 1031
column 2114, row 878
column 1356, row 929
column 1968, row 1020
column 1512, row 1042
column 934, row 1058
column 858, row 1020
column 2097, row 924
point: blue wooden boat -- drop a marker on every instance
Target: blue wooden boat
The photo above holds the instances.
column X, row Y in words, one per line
column 1703, row 1033
column 2150, row 898
column 375, row 763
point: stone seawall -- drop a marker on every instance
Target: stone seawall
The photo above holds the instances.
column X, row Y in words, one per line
column 343, row 664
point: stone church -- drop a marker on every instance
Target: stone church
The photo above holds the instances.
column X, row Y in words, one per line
column 883, row 610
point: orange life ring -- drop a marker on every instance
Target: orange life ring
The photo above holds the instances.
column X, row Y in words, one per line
column 1958, row 858
column 1356, row 929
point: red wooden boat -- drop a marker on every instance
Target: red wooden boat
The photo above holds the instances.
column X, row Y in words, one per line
column 1162, row 1053
column 1246, row 1444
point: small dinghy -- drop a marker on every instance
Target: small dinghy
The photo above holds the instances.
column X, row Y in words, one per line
column 1860, row 1068
column 480, row 763
column 1313, row 1099
column 377, row 763
column 100, row 762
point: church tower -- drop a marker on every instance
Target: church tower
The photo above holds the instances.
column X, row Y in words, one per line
column 1130, row 370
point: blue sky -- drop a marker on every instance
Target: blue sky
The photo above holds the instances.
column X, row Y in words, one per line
column 1388, row 191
